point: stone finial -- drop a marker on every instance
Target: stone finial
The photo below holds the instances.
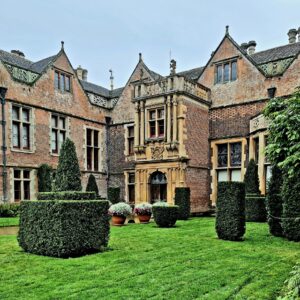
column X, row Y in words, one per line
column 140, row 56
column 227, row 30
column 62, row 45
column 111, row 79
column 292, row 35
column 172, row 67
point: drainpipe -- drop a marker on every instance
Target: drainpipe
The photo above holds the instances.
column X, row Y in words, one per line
column 108, row 121
column 3, row 91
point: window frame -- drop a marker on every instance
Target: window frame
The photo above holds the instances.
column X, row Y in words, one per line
column 58, row 131
column 21, row 125
column 220, row 71
column 94, row 166
column 22, row 180
column 130, row 140
column 157, row 122
column 130, row 185
column 61, row 84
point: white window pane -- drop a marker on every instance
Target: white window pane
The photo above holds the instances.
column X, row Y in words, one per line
column 268, row 173
column 222, row 175
column 61, row 123
column 16, row 135
column 25, row 115
column 53, row 141
column 235, row 175
column 15, row 113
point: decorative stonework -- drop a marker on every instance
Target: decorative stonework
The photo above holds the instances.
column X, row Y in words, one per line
column 157, row 152
column 258, row 123
column 98, row 100
column 21, row 74
column 276, row 67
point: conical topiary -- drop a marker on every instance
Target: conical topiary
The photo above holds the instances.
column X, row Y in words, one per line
column 68, row 176
column 92, row 185
column 274, row 202
column 251, row 179
column 44, row 175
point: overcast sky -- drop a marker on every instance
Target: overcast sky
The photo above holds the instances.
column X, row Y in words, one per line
column 100, row 35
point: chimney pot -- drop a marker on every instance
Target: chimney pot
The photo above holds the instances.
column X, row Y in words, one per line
column 251, row 47
column 244, row 46
column 84, row 74
column 292, row 35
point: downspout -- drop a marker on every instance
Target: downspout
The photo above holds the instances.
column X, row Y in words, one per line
column 3, row 123
column 107, row 143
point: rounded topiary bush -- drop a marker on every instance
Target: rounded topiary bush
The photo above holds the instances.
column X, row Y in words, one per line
column 182, row 199
column 274, row 202
column 291, row 208
column 230, row 218
column 165, row 215
column 92, row 185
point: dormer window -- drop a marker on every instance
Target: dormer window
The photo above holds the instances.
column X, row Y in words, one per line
column 226, row 71
column 62, row 81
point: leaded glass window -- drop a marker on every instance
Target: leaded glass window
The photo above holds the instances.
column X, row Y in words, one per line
column 235, row 154
column 222, row 155
column 58, row 132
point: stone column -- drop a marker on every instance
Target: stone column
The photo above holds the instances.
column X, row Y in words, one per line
column 136, row 125
column 142, row 135
column 169, row 124
column 174, row 118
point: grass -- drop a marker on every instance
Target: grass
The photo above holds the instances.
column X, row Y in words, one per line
column 9, row 222
column 185, row 262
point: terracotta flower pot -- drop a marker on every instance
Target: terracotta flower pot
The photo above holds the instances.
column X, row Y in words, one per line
column 118, row 220
column 144, row 218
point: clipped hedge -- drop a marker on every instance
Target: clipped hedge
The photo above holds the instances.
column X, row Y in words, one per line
column 291, row 208
column 8, row 210
column 165, row 216
column 230, row 209
column 274, row 202
column 182, row 199
column 63, row 228
column 255, row 207
column 44, row 175
column 67, row 196
column 113, row 195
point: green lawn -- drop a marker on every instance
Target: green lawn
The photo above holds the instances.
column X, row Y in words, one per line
column 9, row 222
column 186, row 262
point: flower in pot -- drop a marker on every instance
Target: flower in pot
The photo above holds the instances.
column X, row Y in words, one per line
column 165, row 215
column 119, row 212
column 143, row 211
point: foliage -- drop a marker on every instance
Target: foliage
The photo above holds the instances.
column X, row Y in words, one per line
column 67, row 196
column 9, row 221
column 292, row 288
column 182, row 199
column 255, row 208
column 9, row 210
column 274, row 202
column 291, row 208
column 92, row 185
column 230, row 219
column 120, row 209
column 113, row 194
column 165, row 216
column 160, row 203
column 283, row 147
column 251, row 179
column 143, row 209
column 63, row 228
column 44, row 175
column 68, row 176
column 254, row 269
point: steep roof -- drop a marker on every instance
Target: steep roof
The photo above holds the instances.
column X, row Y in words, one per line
column 192, row 74
column 277, row 53
column 99, row 90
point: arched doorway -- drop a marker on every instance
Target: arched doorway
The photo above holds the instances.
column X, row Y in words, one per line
column 158, row 187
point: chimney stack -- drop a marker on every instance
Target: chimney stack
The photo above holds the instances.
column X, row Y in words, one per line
column 84, row 74
column 81, row 73
column 292, row 35
column 299, row 34
column 18, row 52
column 244, row 46
column 251, row 47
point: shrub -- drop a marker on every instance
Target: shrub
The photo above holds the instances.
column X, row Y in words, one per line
column 292, row 285
column 113, row 194
column 9, row 210
column 182, row 199
column 255, row 207
column 160, row 203
column 165, row 216
column 63, row 228
column 251, row 179
column 274, row 202
column 68, row 176
column 230, row 219
column 291, row 208
column 92, row 185
column 120, row 209
column 44, row 175
column 67, row 196
column 143, row 209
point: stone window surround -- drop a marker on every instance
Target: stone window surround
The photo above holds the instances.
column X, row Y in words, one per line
column 66, row 75
column 126, row 152
column 32, row 146
column 147, row 121
column 222, row 64
column 31, row 180
column 127, row 183
column 85, row 149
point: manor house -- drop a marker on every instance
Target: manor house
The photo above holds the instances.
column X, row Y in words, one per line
column 187, row 129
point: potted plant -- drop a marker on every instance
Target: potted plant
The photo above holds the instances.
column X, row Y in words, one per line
column 119, row 212
column 143, row 211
